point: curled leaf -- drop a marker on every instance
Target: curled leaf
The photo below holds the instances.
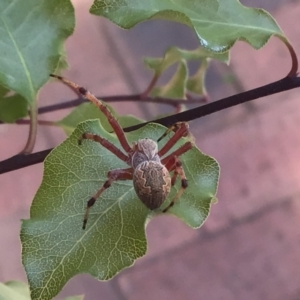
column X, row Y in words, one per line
column 218, row 24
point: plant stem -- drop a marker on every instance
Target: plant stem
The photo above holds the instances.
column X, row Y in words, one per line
column 150, row 86
column 40, row 122
column 118, row 98
column 285, row 84
column 122, row 98
column 32, row 129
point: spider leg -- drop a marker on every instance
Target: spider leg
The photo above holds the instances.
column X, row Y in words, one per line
column 174, row 128
column 106, row 144
column 172, row 162
column 171, row 166
column 176, row 164
column 111, row 119
column 181, row 150
column 182, row 130
column 118, row 174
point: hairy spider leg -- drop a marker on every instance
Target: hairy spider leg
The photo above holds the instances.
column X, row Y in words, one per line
column 111, row 119
column 113, row 175
column 172, row 162
column 106, row 144
column 181, row 150
column 174, row 128
column 175, row 164
column 183, row 129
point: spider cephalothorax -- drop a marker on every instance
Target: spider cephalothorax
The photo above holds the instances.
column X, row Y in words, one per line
column 148, row 170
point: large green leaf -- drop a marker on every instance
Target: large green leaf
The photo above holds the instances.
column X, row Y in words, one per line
column 218, row 24
column 88, row 111
column 32, row 33
column 12, row 107
column 55, row 248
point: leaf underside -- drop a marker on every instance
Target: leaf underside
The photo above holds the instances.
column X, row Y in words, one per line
column 55, row 248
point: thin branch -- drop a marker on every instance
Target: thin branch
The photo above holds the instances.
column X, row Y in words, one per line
column 285, row 84
column 122, row 98
column 294, row 68
column 117, row 98
column 275, row 87
column 40, row 122
column 22, row 160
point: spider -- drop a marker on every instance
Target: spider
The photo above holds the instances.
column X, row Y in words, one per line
column 148, row 170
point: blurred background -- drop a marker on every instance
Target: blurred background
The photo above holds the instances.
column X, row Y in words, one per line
column 250, row 246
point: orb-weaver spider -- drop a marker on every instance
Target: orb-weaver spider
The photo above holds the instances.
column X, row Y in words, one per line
column 150, row 173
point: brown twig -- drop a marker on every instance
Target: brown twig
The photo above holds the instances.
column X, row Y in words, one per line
column 119, row 98
column 40, row 122
column 150, row 86
column 32, row 129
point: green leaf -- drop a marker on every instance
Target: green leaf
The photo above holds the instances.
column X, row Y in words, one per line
column 55, row 248
column 13, row 290
column 175, row 88
column 174, row 55
column 218, row 24
column 12, row 107
column 178, row 84
column 32, row 33
column 88, row 111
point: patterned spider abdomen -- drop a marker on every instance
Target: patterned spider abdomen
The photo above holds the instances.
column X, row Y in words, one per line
column 152, row 183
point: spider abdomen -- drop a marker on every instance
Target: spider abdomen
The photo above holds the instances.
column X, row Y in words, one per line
column 152, row 183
